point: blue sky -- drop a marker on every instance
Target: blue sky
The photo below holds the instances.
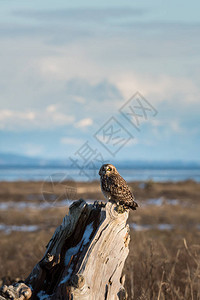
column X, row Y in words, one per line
column 67, row 68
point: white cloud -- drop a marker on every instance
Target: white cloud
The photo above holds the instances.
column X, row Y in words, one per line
column 71, row 141
column 51, row 108
column 176, row 127
column 84, row 123
column 158, row 88
column 9, row 114
column 72, row 58
column 79, row 99
column 11, row 119
column 62, row 119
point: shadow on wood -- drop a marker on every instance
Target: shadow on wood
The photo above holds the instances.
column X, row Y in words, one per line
column 84, row 258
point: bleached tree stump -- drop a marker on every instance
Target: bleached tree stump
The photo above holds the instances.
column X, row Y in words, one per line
column 17, row 291
column 85, row 257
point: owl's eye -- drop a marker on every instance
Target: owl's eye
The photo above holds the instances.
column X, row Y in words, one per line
column 109, row 169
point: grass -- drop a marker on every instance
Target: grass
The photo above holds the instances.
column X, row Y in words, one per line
column 161, row 264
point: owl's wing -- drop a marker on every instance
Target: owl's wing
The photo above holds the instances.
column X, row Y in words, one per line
column 120, row 191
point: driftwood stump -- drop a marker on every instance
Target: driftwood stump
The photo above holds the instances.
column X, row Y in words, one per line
column 85, row 257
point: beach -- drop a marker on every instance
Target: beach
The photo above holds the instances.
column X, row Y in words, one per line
column 164, row 250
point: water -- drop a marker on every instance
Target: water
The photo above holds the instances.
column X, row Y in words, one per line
column 161, row 175
column 26, row 173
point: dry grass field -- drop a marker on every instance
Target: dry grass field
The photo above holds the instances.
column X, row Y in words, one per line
column 164, row 257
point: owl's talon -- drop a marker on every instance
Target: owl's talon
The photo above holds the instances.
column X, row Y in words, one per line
column 120, row 209
column 98, row 204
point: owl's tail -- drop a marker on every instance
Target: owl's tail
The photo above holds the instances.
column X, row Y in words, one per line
column 133, row 205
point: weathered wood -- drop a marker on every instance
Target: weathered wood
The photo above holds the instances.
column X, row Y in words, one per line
column 85, row 257
column 18, row 291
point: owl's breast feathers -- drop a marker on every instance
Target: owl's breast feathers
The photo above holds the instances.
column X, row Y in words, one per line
column 116, row 188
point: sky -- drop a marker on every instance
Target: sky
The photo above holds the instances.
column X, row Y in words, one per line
column 120, row 77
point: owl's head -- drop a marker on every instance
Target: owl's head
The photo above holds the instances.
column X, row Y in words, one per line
column 107, row 169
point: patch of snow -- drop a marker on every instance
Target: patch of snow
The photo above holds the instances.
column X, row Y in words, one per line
column 74, row 250
column 160, row 201
column 66, row 278
column 137, row 227
column 70, row 252
column 42, row 295
column 85, row 239
column 36, row 205
column 142, row 185
column 87, row 234
column 165, row 226
column 9, row 228
column 144, row 227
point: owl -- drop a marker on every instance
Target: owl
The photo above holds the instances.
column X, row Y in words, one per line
column 115, row 188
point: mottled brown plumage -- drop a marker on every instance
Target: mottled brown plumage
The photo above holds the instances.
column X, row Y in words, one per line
column 115, row 188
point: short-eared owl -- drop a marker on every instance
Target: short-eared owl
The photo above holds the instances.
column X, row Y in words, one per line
column 115, row 188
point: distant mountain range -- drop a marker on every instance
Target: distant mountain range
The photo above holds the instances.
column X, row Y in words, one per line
column 9, row 159
column 15, row 160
